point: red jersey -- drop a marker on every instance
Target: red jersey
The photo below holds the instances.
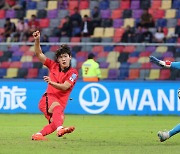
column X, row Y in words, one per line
column 58, row 76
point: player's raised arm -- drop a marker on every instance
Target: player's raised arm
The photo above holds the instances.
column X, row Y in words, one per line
column 166, row 64
column 37, row 47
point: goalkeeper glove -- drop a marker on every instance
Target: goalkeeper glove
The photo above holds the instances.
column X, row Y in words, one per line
column 166, row 64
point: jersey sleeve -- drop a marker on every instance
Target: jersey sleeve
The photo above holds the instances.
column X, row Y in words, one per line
column 175, row 65
column 72, row 77
column 49, row 63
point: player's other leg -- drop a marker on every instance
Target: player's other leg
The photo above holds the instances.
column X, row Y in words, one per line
column 48, row 129
column 164, row 135
column 38, row 137
column 63, row 130
column 58, row 119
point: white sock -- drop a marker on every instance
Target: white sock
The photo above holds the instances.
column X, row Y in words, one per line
column 60, row 127
column 39, row 133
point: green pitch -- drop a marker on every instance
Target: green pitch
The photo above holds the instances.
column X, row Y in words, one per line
column 93, row 134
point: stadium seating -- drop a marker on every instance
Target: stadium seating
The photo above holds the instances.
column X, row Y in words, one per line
column 156, row 4
column 32, row 73
column 104, row 73
column 116, row 62
column 133, row 74
column 115, row 14
column 164, row 74
column 29, row 13
column 166, row 4
column 11, row 73
column 113, row 74
column 22, row 73
column 154, row 74
column 98, row 32
column 144, row 74
column 85, row 12
column 2, row 72
column 2, row 14
column 42, row 72
column 83, row 5
column 52, row 5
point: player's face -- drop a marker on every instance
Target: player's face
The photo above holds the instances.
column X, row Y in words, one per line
column 64, row 60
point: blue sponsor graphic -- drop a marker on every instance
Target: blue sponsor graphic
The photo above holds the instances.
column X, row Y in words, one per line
column 20, row 96
column 118, row 98
column 125, row 98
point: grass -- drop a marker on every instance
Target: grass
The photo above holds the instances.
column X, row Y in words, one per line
column 93, row 134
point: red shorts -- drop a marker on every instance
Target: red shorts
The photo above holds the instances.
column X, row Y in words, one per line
column 42, row 106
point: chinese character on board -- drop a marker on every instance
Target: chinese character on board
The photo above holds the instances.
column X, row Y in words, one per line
column 11, row 99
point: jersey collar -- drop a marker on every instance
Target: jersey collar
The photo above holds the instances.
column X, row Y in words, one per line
column 65, row 70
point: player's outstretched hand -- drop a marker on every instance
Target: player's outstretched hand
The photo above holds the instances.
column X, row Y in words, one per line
column 47, row 79
column 36, row 35
column 166, row 64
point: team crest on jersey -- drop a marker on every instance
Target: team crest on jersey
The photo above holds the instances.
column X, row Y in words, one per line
column 73, row 77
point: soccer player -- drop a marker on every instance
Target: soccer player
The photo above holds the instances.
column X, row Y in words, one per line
column 61, row 81
column 164, row 135
column 90, row 69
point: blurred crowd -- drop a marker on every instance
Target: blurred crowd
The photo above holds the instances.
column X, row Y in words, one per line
column 146, row 31
column 76, row 26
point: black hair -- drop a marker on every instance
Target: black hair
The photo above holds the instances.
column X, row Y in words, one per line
column 33, row 15
column 91, row 56
column 22, row 19
column 7, row 19
column 85, row 16
column 62, row 50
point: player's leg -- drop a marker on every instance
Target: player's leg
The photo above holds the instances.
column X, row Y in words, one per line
column 175, row 130
column 64, row 130
column 58, row 118
column 56, row 110
column 55, row 114
column 164, row 135
column 48, row 129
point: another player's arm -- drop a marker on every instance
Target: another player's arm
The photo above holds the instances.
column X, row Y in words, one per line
column 37, row 47
column 175, row 65
column 166, row 64
column 60, row 86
